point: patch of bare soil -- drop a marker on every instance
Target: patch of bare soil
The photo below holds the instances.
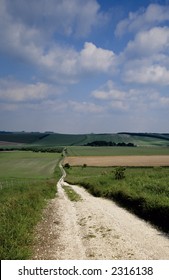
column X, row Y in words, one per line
column 95, row 228
column 118, row 160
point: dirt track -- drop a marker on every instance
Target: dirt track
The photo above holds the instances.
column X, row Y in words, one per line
column 118, row 160
column 95, row 228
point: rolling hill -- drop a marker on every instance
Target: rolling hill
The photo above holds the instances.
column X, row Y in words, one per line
column 56, row 139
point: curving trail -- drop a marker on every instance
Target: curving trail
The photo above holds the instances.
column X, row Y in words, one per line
column 95, row 228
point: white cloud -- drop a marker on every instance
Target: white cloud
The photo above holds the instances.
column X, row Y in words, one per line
column 146, row 59
column 28, row 43
column 147, row 43
column 96, row 59
column 114, row 98
column 24, row 37
column 61, row 16
column 159, row 100
column 109, row 92
column 143, row 19
column 147, row 74
column 85, row 107
column 130, row 100
column 11, row 90
column 68, row 65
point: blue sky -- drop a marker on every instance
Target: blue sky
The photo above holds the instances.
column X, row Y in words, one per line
column 82, row 66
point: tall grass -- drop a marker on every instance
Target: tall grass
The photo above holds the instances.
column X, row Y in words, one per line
column 21, row 205
column 144, row 191
column 22, row 200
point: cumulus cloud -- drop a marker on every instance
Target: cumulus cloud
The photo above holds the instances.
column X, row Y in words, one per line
column 155, row 14
column 132, row 99
column 61, row 16
column 11, row 90
column 109, row 92
column 68, row 65
column 24, row 37
column 114, row 97
column 144, row 74
column 145, row 58
column 96, row 59
column 148, row 42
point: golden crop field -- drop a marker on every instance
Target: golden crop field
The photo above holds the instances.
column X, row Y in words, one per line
column 154, row 160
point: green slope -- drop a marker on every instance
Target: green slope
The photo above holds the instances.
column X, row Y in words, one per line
column 54, row 139
column 22, row 137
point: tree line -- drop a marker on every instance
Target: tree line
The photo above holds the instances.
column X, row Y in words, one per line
column 33, row 149
column 109, row 144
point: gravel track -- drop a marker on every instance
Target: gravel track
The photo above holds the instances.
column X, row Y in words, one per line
column 95, row 228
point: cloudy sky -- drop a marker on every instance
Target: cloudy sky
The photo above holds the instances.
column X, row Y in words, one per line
column 82, row 66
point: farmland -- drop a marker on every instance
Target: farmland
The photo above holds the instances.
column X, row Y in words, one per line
column 116, row 151
column 27, row 181
column 27, row 164
column 57, row 139
column 118, row 161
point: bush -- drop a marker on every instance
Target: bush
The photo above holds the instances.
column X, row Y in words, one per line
column 119, row 173
column 67, row 165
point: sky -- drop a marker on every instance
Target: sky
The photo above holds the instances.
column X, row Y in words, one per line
column 84, row 66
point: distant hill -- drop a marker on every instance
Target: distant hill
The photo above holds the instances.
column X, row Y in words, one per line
column 56, row 139
column 22, row 137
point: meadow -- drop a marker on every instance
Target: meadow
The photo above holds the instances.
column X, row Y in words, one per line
column 143, row 190
column 27, row 181
column 116, row 151
column 18, row 164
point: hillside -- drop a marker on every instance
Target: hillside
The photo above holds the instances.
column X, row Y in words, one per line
column 22, row 137
column 56, row 139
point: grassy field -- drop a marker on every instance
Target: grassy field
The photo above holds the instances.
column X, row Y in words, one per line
column 56, row 139
column 27, row 164
column 27, row 181
column 144, row 191
column 22, row 137
column 116, row 151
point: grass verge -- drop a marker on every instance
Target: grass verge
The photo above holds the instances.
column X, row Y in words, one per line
column 72, row 195
column 21, row 207
column 22, row 200
column 144, row 191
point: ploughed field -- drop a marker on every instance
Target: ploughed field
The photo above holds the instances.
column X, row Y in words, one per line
column 153, row 160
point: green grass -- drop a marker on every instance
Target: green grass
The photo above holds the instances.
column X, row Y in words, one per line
column 145, row 191
column 21, row 207
column 27, row 164
column 116, row 151
column 72, row 195
column 62, row 139
column 21, row 137
column 27, row 181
